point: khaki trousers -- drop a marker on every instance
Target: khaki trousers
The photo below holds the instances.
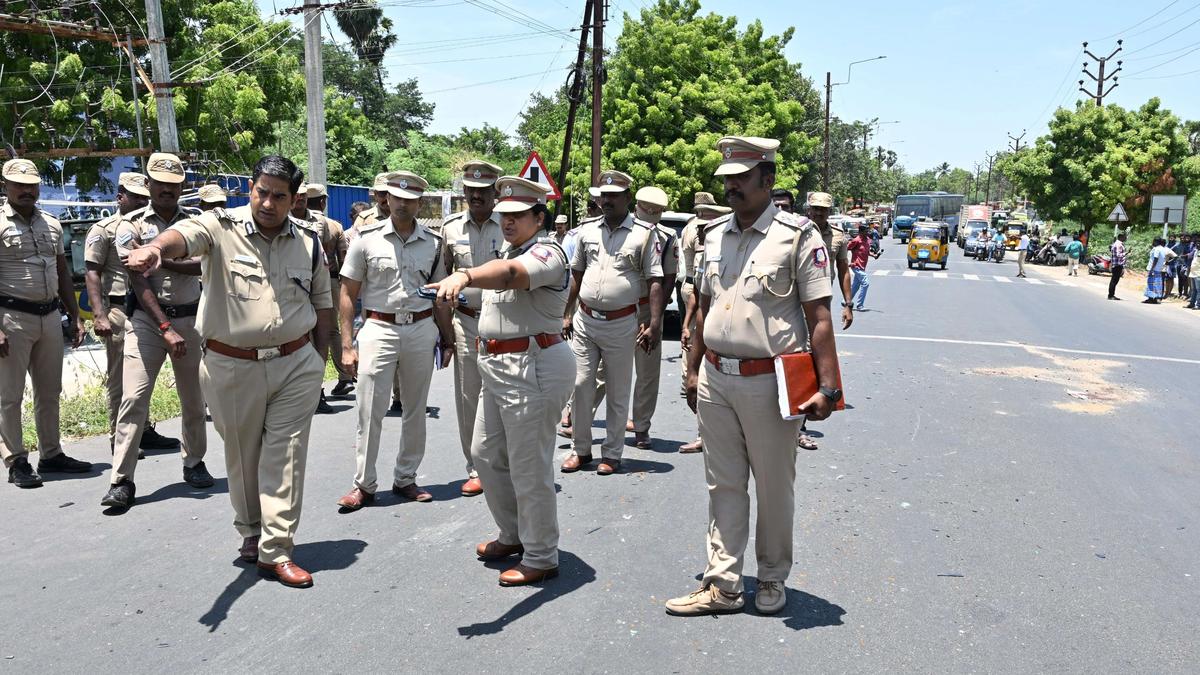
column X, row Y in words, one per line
column 1021, row 261
column 114, row 350
column 262, row 410
column 744, row 434
column 387, row 352
column 648, row 368
column 467, row 382
column 609, row 343
column 513, row 445
column 335, row 335
column 35, row 346
column 687, row 291
column 145, row 352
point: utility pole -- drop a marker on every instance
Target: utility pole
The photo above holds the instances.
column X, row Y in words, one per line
column 574, row 95
column 1101, row 61
column 314, row 91
column 862, row 199
column 975, row 188
column 598, row 9
column 828, row 97
column 987, row 191
column 1014, row 142
column 137, row 105
column 168, row 137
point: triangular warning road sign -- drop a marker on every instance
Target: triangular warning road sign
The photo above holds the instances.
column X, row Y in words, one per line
column 1118, row 215
column 536, row 171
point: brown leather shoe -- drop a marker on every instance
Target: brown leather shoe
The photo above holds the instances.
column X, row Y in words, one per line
column 287, row 573
column 412, row 492
column 494, row 550
column 472, row 488
column 641, row 439
column 566, row 432
column 608, row 467
column 355, row 500
column 574, row 463
column 522, row 575
column 695, row 446
column 249, row 550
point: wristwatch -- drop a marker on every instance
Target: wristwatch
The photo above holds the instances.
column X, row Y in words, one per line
column 834, row 395
column 848, row 305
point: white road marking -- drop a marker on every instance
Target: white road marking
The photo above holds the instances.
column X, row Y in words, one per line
column 940, row 275
column 881, row 273
column 1036, row 282
column 910, row 273
column 1019, row 345
column 971, row 277
column 1064, row 282
column 1003, row 280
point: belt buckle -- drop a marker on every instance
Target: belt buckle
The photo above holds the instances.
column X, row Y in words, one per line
column 268, row 353
column 481, row 346
column 407, row 318
column 729, row 366
column 597, row 314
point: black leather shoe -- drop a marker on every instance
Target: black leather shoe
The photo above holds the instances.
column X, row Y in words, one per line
column 119, row 496
column 323, row 408
column 342, row 388
column 198, row 476
column 397, row 406
column 60, row 463
column 152, row 440
column 22, row 475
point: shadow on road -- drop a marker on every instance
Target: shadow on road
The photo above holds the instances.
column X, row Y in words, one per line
column 573, row 574
column 318, row 556
column 805, row 610
column 98, row 469
column 181, row 489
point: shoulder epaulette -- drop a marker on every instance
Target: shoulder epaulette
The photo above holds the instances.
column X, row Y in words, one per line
column 589, row 221
column 792, row 220
column 718, row 221
column 190, row 211
column 639, row 221
column 838, row 227
column 461, row 215
column 136, row 213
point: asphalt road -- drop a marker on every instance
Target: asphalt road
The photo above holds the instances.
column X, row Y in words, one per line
column 992, row 502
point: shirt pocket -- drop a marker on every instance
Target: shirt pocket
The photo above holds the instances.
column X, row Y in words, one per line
column 13, row 245
column 625, row 260
column 48, row 243
column 383, row 268
column 462, row 256
column 500, row 297
column 300, row 282
column 246, row 280
column 767, row 280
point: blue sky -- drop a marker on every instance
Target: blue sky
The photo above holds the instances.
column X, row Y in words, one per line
column 959, row 76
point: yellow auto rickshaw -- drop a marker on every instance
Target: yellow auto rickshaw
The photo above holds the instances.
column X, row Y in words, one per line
column 1014, row 229
column 929, row 244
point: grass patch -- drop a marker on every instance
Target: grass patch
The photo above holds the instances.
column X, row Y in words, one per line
column 86, row 413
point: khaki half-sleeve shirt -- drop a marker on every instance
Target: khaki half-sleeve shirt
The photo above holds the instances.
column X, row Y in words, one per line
column 469, row 244
column 615, row 262
column 29, row 251
column 141, row 227
column 538, row 309
column 100, row 249
column 758, row 279
column 392, row 269
column 258, row 292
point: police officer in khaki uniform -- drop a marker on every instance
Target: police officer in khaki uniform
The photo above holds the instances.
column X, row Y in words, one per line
column 651, row 201
column 471, row 238
column 614, row 255
column 107, row 285
column 265, row 297
column 528, row 373
column 334, row 240
column 162, row 324
column 212, row 196
column 34, row 280
column 317, row 224
column 376, row 215
column 691, row 250
column 399, row 333
column 764, row 291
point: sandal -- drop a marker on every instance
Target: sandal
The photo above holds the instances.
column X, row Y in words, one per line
column 806, row 442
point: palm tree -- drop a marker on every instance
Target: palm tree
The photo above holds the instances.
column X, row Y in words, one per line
column 370, row 33
column 943, row 169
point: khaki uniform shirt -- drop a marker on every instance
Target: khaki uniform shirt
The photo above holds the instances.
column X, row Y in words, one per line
column 336, row 251
column 258, row 292
column 391, row 269
column 141, row 227
column 29, row 251
column 366, row 218
column 538, row 309
column 469, row 244
column 101, row 249
column 757, row 279
column 668, row 251
column 691, row 242
column 835, row 242
column 615, row 263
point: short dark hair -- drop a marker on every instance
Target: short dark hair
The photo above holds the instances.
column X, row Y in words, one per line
column 769, row 168
column 279, row 167
column 541, row 212
column 780, row 192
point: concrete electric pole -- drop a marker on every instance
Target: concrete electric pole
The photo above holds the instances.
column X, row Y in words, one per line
column 598, row 10
column 314, row 91
column 1100, row 79
column 168, row 137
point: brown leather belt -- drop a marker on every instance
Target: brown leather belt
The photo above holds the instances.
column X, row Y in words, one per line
column 644, row 301
column 491, row 347
column 609, row 315
column 258, row 354
column 734, row 366
column 400, row 318
column 463, row 309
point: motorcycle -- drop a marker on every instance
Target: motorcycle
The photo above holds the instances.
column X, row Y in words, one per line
column 1100, row 264
column 1048, row 254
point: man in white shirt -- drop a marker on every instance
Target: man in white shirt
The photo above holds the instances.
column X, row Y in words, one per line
column 1022, row 251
